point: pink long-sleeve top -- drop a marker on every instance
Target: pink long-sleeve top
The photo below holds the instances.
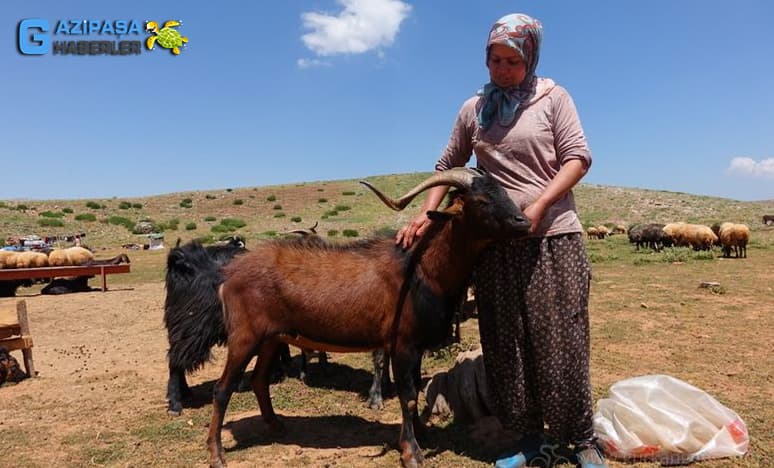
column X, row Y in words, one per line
column 526, row 155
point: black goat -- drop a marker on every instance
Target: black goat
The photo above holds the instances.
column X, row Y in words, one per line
column 192, row 310
column 360, row 296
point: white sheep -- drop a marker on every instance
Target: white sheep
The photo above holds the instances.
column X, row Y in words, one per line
column 71, row 256
column 31, row 259
column 734, row 236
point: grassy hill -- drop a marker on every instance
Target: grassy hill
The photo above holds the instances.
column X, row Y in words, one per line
column 337, row 205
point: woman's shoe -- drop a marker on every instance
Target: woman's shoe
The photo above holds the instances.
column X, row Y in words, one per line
column 590, row 457
column 528, row 448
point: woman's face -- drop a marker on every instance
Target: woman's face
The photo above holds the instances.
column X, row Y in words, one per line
column 506, row 68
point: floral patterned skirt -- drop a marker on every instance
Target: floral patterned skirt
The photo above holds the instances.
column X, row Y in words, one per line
column 532, row 297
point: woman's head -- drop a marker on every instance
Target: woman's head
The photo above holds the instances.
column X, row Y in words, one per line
column 513, row 49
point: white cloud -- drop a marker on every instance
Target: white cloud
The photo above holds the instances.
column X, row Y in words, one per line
column 752, row 168
column 361, row 26
column 309, row 63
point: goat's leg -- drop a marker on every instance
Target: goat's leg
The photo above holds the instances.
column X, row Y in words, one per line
column 237, row 360
column 404, row 369
column 266, row 355
column 375, row 399
column 177, row 389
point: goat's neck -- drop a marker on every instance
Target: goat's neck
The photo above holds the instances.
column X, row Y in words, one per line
column 448, row 261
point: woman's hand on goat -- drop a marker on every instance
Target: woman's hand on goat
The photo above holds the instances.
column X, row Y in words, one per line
column 413, row 230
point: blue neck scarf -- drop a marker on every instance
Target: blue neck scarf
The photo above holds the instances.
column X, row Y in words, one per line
column 523, row 34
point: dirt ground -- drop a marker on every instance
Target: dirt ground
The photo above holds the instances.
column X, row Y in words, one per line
column 99, row 398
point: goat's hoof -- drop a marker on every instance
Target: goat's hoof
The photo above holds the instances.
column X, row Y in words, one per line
column 376, row 404
column 412, row 462
column 175, row 409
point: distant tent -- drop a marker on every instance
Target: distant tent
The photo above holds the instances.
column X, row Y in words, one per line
column 155, row 241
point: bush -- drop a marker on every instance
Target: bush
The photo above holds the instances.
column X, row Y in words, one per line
column 93, row 205
column 279, row 215
column 296, row 219
column 186, row 203
column 210, row 218
column 51, row 214
column 137, row 205
column 236, row 223
column 229, row 190
column 322, row 200
column 50, row 222
column 349, row 233
column 67, row 210
column 3, row 205
column 269, row 233
column 277, row 207
column 22, row 207
column 333, row 233
column 121, row 221
column 210, row 197
column 208, row 239
column 271, row 198
column 220, row 228
column 124, row 205
column 190, row 226
column 85, row 217
column 341, row 208
column 330, row 213
column 239, row 201
column 348, row 193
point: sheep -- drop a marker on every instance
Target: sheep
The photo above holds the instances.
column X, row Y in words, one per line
column 619, row 229
column 697, row 236
column 30, row 259
column 592, row 233
column 359, row 296
column 649, row 235
column 192, row 310
column 78, row 256
column 602, row 232
column 734, row 236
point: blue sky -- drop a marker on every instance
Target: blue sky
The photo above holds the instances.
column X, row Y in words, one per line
column 673, row 95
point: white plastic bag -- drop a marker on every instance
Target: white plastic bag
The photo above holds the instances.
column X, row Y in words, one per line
column 658, row 417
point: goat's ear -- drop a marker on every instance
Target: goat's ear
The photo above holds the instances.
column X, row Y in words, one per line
column 455, row 209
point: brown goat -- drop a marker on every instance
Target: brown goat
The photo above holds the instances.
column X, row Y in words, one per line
column 360, row 296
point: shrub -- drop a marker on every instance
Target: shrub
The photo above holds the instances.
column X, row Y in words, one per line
column 124, row 205
column 190, row 226
column 239, row 201
column 331, row 213
column 208, row 239
column 210, row 197
column 279, row 215
column 85, row 217
column 296, row 219
column 271, row 198
column 229, row 190
column 269, row 233
column 236, row 223
column 3, row 205
column 51, row 214
column 333, row 233
column 186, row 203
column 347, row 193
column 93, row 205
column 341, row 208
column 121, row 221
column 277, row 207
column 210, row 218
column 220, row 228
column 349, row 233
column 22, row 207
column 67, row 210
column 50, row 222
column 137, row 205
column 322, row 200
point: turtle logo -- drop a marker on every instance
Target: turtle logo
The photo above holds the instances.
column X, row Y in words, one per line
column 167, row 37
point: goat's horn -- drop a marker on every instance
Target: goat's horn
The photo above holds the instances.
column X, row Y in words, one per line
column 460, row 177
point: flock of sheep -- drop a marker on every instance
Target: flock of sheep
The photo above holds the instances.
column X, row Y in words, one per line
column 729, row 236
column 71, row 256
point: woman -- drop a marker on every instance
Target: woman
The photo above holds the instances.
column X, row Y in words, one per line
column 532, row 294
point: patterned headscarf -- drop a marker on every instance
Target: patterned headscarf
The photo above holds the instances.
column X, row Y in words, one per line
column 523, row 34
